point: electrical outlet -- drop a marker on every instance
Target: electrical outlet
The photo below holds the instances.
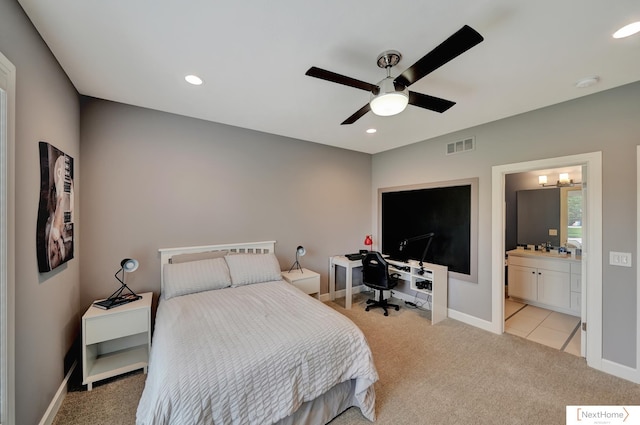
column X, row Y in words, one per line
column 553, row 232
column 621, row 259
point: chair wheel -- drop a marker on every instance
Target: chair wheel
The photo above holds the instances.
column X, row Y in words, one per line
column 397, row 308
column 386, row 313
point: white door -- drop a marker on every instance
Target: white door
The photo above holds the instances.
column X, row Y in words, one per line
column 7, row 261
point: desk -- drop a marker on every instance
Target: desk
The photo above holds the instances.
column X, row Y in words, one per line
column 341, row 260
column 431, row 279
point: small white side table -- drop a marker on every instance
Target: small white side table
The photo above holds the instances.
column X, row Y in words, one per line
column 349, row 265
column 307, row 281
column 116, row 341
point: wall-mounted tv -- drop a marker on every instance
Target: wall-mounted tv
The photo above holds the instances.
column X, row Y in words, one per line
column 446, row 209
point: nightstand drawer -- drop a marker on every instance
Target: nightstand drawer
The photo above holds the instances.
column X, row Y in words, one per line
column 308, row 286
column 305, row 280
column 114, row 326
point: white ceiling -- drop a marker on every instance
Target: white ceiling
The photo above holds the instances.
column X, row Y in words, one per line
column 253, row 54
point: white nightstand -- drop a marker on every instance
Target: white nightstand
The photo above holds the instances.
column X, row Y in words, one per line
column 307, row 281
column 116, row 341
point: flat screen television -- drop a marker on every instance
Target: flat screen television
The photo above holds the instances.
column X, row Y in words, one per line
column 407, row 214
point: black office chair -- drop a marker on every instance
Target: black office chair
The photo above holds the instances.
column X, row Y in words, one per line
column 375, row 274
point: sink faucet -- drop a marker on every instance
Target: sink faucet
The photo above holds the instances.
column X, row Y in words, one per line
column 574, row 244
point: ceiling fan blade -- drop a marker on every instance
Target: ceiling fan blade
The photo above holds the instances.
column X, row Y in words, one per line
column 461, row 41
column 340, row 79
column 355, row 117
column 429, row 102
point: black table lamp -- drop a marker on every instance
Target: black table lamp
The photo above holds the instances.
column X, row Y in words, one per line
column 128, row 265
column 300, row 251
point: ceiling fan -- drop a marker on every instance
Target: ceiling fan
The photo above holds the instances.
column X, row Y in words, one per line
column 391, row 95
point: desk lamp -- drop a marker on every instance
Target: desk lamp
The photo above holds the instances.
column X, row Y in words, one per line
column 404, row 242
column 128, row 265
column 368, row 242
column 300, row 251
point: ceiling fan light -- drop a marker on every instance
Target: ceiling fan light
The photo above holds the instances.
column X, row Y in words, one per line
column 389, row 101
column 389, row 104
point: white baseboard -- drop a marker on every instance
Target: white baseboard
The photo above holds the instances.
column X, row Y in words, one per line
column 472, row 320
column 55, row 404
column 453, row 314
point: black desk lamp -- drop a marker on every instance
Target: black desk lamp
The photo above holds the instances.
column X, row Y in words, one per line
column 127, row 265
column 404, row 242
column 300, row 251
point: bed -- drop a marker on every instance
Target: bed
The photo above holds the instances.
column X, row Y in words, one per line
column 235, row 344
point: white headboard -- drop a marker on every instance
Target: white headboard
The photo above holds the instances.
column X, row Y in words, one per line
column 245, row 247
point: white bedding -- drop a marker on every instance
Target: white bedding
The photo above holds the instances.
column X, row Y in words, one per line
column 250, row 355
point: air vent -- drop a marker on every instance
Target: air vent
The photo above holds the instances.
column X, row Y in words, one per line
column 461, row 146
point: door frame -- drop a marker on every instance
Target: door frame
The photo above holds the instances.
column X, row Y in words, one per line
column 592, row 245
column 637, row 371
column 7, row 241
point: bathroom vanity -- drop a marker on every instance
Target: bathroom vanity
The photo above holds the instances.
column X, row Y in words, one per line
column 544, row 279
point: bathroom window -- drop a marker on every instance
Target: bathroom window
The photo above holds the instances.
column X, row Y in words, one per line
column 571, row 216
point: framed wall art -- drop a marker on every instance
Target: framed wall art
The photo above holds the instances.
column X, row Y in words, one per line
column 54, row 233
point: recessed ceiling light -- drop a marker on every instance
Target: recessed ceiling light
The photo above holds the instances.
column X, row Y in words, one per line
column 193, row 79
column 587, row 82
column 627, row 30
column 371, row 130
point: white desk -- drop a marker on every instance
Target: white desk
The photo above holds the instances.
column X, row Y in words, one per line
column 341, row 260
column 433, row 273
column 436, row 275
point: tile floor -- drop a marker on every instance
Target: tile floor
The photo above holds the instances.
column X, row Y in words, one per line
column 546, row 327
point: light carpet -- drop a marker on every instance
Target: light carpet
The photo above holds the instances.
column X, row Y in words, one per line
column 449, row 373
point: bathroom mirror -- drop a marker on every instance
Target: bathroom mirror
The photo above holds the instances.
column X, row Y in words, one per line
column 538, row 216
column 562, row 213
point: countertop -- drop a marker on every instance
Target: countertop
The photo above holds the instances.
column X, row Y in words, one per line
column 542, row 254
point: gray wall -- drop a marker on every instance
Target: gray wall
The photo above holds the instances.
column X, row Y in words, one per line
column 148, row 179
column 47, row 305
column 538, row 210
column 156, row 180
column 607, row 122
column 512, row 184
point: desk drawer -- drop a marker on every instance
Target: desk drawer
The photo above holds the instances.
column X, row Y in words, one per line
column 117, row 325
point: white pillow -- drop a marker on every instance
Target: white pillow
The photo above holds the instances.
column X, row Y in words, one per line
column 197, row 256
column 195, row 276
column 246, row 269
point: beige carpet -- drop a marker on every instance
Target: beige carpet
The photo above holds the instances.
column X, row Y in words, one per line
column 450, row 373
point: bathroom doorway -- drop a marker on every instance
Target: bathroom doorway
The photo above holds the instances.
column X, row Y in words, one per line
column 591, row 271
column 544, row 208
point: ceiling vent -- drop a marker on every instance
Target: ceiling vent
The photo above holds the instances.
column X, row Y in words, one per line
column 461, row 146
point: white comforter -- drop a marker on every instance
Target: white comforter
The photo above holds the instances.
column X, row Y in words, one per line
column 250, row 355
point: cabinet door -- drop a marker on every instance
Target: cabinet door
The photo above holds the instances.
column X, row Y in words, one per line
column 554, row 288
column 523, row 282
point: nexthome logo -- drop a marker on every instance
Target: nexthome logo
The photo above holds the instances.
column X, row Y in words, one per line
column 603, row 415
